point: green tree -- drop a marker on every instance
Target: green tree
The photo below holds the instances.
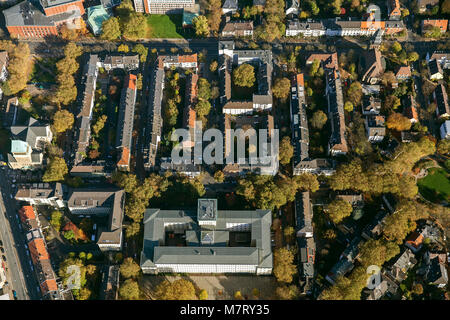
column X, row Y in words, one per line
column 286, row 150
column 142, row 51
column 180, row 289
column 287, row 292
column 319, row 119
column 202, row 108
column 338, row 210
column 348, row 106
column 129, row 268
column 203, row 295
column 69, row 235
column 219, row 176
column 354, row 93
column 306, row 182
column 111, row 29
column 281, row 88
column 55, row 219
column 213, row 66
column 63, row 120
column 201, row 26
column 56, row 170
column 129, row 290
column 244, row 75
column 133, row 230
column 123, row 48
column 283, row 265
column 204, row 89
column 398, row 122
column 443, row 147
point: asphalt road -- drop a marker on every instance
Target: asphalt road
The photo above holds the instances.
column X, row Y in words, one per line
column 23, row 279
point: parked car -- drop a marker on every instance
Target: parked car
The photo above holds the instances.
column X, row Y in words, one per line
column 15, row 294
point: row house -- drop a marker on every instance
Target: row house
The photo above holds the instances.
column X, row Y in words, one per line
column 86, row 101
column 305, row 240
column 342, row 28
column 154, row 123
column 124, row 133
column 42, row 265
column 335, row 99
column 410, row 109
column 440, row 97
column 39, row 19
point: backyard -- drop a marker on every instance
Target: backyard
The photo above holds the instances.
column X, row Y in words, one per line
column 164, row 26
column 435, row 186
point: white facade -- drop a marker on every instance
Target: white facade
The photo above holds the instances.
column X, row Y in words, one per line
column 207, row 268
column 445, row 130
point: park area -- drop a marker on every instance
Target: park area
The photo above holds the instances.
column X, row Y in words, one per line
column 435, row 186
column 164, row 26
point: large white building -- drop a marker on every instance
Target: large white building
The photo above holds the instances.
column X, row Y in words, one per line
column 207, row 240
column 163, row 6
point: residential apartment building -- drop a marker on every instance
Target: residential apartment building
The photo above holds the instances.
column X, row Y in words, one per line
column 42, row 265
column 375, row 128
column 442, row 57
column 41, row 194
column 435, row 70
column 238, row 29
column 39, row 19
column 337, row 144
column 394, row 11
column 372, row 66
column 85, row 102
column 445, row 130
column 442, row 24
column 266, row 157
column 124, row 133
column 410, row 109
column 101, row 202
column 163, row 6
column 229, row 58
column 207, row 240
column 305, row 241
column 342, row 28
column 3, row 66
column 154, row 121
column 425, row 5
column 441, row 99
column 28, row 144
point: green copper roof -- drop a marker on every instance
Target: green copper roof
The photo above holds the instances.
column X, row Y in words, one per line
column 96, row 16
column 18, row 146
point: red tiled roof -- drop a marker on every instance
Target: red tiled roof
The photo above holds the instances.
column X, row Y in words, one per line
column 27, row 213
column 38, row 250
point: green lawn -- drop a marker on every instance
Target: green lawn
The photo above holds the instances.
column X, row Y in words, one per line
column 436, row 185
column 164, row 26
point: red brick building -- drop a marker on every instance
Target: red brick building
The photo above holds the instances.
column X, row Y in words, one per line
column 29, row 20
